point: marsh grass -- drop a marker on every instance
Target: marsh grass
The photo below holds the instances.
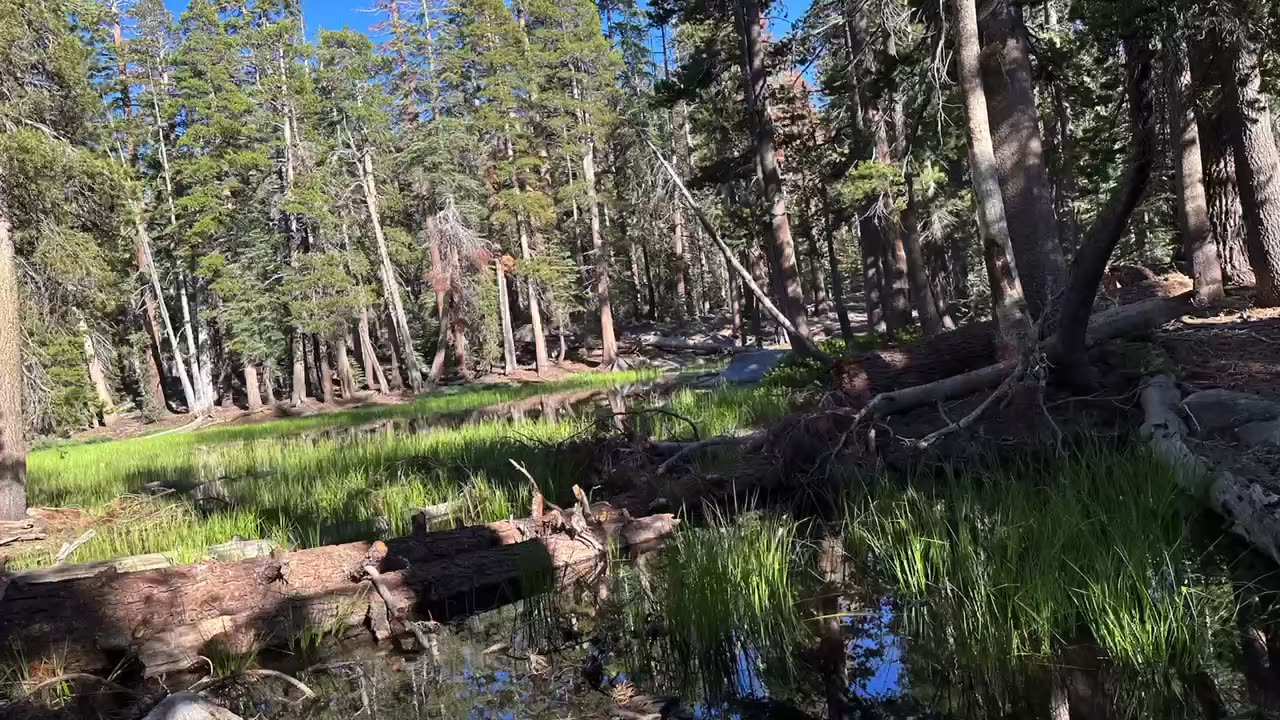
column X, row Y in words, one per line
column 998, row 573
column 731, row 602
column 281, row 480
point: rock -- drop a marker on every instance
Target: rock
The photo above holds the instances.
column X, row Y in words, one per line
column 751, row 367
column 1219, row 409
column 1259, row 433
column 189, row 706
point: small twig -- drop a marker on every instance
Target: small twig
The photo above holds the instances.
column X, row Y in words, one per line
column 307, row 692
column 698, row 446
column 82, row 677
column 69, row 548
column 972, row 417
column 376, row 578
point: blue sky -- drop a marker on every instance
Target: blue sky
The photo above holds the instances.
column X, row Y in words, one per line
column 335, row 14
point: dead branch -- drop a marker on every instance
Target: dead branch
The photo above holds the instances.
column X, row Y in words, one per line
column 1005, row 388
column 802, row 343
column 687, row 449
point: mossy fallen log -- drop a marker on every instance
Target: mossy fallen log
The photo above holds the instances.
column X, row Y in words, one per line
column 167, row 618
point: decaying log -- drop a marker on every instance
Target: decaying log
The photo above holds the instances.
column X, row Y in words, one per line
column 25, row 530
column 1252, row 512
column 166, row 618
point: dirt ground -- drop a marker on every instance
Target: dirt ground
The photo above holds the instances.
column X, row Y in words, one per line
column 1236, row 348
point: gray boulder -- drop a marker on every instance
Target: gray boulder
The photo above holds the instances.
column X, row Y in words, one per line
column 1255, row 434
column 1218, row 409
column 189, row 706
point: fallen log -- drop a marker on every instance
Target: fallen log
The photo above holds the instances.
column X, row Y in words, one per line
column 971, row 350
column 1252, row 512
column 167, row 618
column 895, row 381
column 675, row 344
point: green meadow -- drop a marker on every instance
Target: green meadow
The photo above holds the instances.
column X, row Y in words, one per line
column 354, row 474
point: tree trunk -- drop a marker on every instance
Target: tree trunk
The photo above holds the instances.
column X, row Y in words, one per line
column 326, row 372
column 817, row 278
column 387, row 271
column 374, row 378
column 1101, row 239
column 201, row 404
column 504, row 311
column 1192, row 207
column 679, row 270
column 1019, row 157
column 395, row 380
column 269, row 384
column 1008, row 305
column 246, row 604
column 153, row 379
column 13, row 443
column 439, row 283
column 144, row 242
column 872, row 273
column 252, row 394
column 833, row 262
column 608, row 340
column 98, row 377
column 751, row 21
column 346, row 382
column 298, row 390
column 917, row 271
column 1257, row 166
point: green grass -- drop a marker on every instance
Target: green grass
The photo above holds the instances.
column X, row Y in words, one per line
column 999, row 572
column 731, row 596
column 293, row 481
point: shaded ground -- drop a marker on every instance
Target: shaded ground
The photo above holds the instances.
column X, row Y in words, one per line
column 1237, row 348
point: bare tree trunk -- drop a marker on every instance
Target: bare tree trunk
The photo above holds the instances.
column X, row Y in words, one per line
column 153, row 380
column 1101, row 239
column 735, row 314
column 13, row 443
column 252, row 394
column 1019, row 157
column 326, row 372
column 1192, row 207
column 679, row 270
column 147, row 263
column 440, row 280
column 395, row 381
column 298, row 390
column 817, row 278
column 872, row 273
column 608, row 340
column 917, row 273
column 269, row 384
column 98, row 377
column 202, row 403
column 1008, row 306
column 387, row 271
column 833, row 261
column 750, row 21
column 1225, row 214
column 346, row 382
column 460, row 350
column 504, row 311
column 375, row 379
column 1257, row 165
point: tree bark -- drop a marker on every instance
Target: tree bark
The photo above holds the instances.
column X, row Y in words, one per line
column 1101, row 239
column 440, row 281
column 757, row 79
column 253, row 396
column 326, row 372
column 269, row 384
column 374, row 378
column 504, row 311
column 833, row 262
column 1019, row 156
column 203, row 398
column 387, row 271
column 609, row 341
column 346, row 383
column 149, row 266
column 1192, row 207
column 394, row 380
column 153, row 393
column 917, row 272
column 165, row 618
column 298, row 390
column 872, row 273
column 13, row 443
column 1257, row 165
column 97, row 377
column 1008, row 304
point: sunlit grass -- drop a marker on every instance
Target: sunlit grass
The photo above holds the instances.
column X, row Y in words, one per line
column 324, row 479
column 1001, row 572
